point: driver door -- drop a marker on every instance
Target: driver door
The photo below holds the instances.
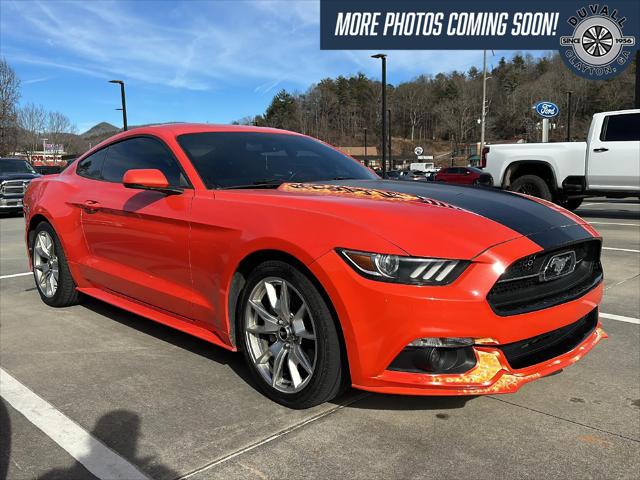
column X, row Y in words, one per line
column 139, row 239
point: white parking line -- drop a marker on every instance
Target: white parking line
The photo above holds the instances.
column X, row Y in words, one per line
column 620, row 318
column 621, row 249
column 13, row 275
column 95, row 456
column 617, row 224
column 608, row 203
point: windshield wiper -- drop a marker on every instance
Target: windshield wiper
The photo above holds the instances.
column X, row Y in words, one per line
column 267, row 183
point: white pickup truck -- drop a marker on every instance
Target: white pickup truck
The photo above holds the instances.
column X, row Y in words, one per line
column 607, row 164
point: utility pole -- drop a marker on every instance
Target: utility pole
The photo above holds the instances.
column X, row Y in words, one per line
column 124, row 103
column 569, row 115
column 484, row 100
column 383, row 116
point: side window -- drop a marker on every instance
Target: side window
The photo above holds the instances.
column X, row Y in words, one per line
column 91, row 166
column 141, row 152
column 621, row 128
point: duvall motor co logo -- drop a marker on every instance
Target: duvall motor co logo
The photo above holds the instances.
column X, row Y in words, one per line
column 597, row 48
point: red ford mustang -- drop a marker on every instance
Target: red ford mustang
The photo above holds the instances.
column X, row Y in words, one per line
column 322, row 274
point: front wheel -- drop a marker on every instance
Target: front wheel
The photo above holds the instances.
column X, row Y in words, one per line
column 289, row 338
column 50, row 269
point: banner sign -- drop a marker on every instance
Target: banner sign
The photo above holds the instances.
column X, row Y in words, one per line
column 597, row 40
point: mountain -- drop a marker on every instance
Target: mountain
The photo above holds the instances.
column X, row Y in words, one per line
column 102, row 129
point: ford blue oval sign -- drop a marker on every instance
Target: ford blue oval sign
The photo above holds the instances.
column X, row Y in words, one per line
column 547, row 109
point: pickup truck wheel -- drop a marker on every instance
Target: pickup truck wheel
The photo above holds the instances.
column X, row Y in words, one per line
column 532, row 185
column 570, row 203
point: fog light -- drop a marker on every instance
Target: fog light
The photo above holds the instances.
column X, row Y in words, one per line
column 434, row 360
column 451, row 342
column 441, row 360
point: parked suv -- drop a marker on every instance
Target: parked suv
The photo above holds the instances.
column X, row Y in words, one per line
column 15, row 175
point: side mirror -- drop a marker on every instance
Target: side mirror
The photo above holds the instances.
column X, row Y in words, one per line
column 148, row 179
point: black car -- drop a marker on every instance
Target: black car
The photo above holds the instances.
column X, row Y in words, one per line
column 15, row 175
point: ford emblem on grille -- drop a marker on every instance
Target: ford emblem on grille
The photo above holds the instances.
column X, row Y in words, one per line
column 558, row 266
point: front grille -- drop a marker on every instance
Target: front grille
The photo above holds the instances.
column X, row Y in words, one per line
column 14, row 187
column 544, row 347
column 523, row 288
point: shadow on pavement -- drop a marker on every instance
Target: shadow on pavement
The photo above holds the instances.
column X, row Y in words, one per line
column 119, row 430
column 5, row 440
column 174, row 337
column 400, row 402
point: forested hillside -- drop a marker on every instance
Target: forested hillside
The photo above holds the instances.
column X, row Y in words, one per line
column 447, row 106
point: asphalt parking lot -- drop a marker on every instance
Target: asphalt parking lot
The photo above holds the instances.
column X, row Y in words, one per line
column 133, row 396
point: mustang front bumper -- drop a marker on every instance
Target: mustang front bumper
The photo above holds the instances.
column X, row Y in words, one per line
column 379, row 320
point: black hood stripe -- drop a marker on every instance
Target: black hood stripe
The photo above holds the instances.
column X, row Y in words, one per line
column 543, row 225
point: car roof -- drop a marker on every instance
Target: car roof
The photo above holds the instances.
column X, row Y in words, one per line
column 183, row 128
column 176, row 129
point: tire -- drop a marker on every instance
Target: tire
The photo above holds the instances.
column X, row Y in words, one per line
column 64, row 294
column 532, row 185
column 266, row 338
column 570, row 203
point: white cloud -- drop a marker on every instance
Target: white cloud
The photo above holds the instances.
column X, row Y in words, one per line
column 198, row 45
column 31, row 81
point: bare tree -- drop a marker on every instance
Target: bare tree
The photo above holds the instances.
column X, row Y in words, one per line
column 9, row 96
column 32, row 119
column 58, row 127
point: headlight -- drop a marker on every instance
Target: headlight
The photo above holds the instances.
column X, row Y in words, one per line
column 399, row 269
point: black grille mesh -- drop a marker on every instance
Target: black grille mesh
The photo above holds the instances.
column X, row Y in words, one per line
column 544, row 347
column 520, row 288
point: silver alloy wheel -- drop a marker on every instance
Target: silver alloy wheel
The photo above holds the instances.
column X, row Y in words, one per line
column 45, row 264
column 280, row 335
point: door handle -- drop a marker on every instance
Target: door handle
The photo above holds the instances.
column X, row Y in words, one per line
column 91, row 206
column 600, row 149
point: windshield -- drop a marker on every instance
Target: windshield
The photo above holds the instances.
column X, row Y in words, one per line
column 15, row 166
column 249, row 159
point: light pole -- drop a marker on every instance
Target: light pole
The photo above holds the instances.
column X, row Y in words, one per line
column 389, row 120
column 124, row 103
column 366, row 158
column 383, row 116
column 484, row 100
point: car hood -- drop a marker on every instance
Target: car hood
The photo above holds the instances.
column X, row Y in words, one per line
column 429, row 219
column 18, row 176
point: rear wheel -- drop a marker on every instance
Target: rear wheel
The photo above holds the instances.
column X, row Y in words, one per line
column 289, row 339
column 532, row 185
column 50, row 269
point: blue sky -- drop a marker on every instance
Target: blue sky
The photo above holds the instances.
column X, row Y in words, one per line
column 202, row 61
